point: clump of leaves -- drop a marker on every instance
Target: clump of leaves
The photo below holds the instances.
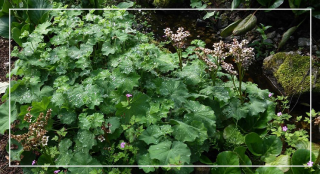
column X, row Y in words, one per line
column 262, row 48
column 116, row 98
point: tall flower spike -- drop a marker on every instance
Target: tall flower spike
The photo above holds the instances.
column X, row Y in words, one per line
column 178, row 38
column 241, row 53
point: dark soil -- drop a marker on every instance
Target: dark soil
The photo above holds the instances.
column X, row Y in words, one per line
column 4, row 59
column 4, row 158
column 4, row 69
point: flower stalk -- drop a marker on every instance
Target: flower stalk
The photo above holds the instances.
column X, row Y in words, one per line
column 178, row 41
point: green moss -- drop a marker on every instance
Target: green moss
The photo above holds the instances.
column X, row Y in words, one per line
column 292, row 71
column 276, row 61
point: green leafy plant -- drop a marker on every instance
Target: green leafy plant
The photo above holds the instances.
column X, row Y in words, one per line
column 115, row 98
column 262, row 47
column 22, row 21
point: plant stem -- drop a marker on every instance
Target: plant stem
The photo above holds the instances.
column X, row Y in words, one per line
column 213, row 77
column 318, row 158
column 179, row 51
column 234, row 84
column 240, row 80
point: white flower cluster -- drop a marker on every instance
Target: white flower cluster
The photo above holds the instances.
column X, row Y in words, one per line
column 178, row 38
column 221, row 50
column 204, row 57
column 229, row 68
column 241, row 53
column 36, row 135
column 44, row 140
column 101, row 138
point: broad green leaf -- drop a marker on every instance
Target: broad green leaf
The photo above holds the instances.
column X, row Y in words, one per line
column 244, row 159
column 91, row 95
column 272, row 147
column 268, row 148
column 151, row 135
column 286, row 36
column 167, row 62
column 15, row 154
column 124, row 82
column 232, row 135
column 36, row 15
column 5, row 6
column 256, row 93
column 143, row 158
column 235, row 4
column 301, row 157
column 4, row 115
column 269, row 170
column 15, row 35
column 228, row 158
column 115, row 123
column 84, row 51
column 220, row 93
column 65, row 153
column 167, row 150
column 265, row 117
column 42, row 106
column 245, row 25
column 189, row 131
column 281, row 160
column 254, row 143
column 58, row 99
column 90, row 121
column 159, row 110
column 84, row 140
column 138, row 107
column 25, row 27
column 256, row 106
column 125, row 4
column 276, row 4
column 202, row 114
column 83, row 158
column 25, row 94
column 107, row 48
column 306, row 145
column 4, row 26
column 235, row 109
column 194, row 73
column 176, row 90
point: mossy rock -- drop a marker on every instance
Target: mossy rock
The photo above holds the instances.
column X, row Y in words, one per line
column 290, row 71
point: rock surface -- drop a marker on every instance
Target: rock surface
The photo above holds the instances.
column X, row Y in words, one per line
column 289, row 71
column 304, row 42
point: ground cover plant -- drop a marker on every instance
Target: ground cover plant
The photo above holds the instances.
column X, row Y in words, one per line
column 93, row 90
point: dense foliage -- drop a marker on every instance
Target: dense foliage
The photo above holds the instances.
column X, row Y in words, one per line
column 113, row 97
